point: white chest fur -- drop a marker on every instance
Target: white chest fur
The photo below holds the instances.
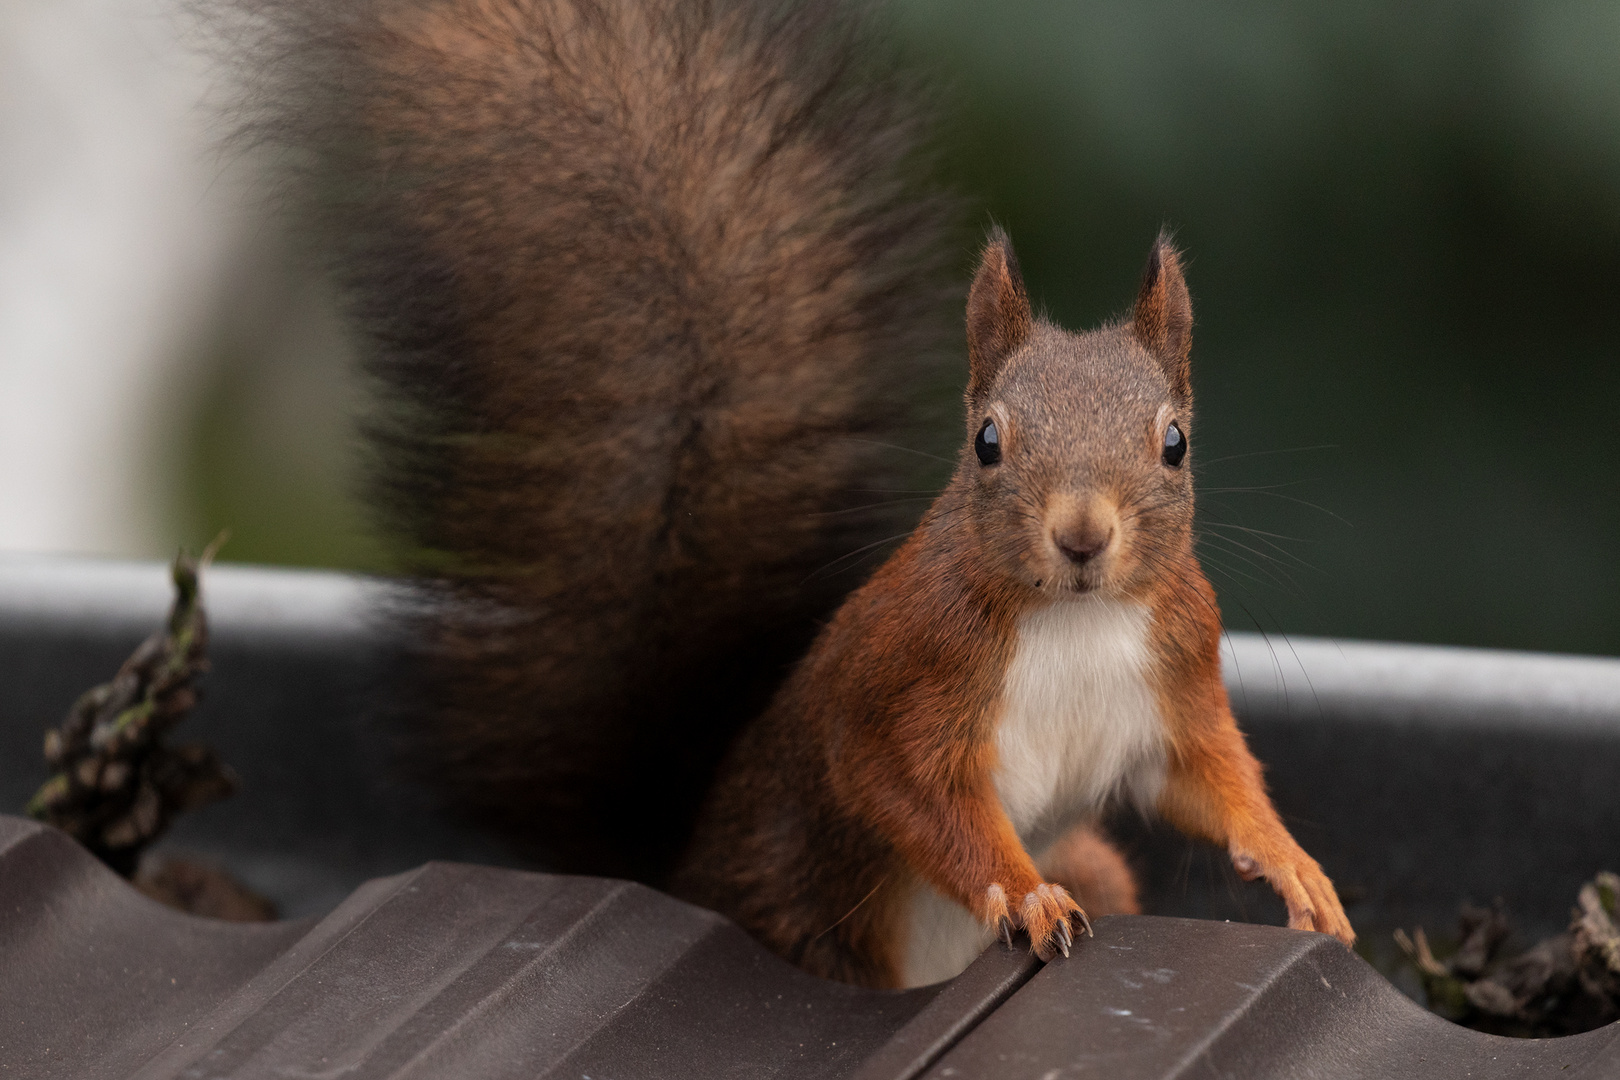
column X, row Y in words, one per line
column 1079, row 723
column 1079, row 718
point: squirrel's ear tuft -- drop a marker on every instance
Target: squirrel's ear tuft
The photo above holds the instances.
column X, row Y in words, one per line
column 998, row 318
column 1162, row 319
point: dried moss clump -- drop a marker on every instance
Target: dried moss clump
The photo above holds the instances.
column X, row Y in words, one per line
column 1565, row 984
column 116, row 785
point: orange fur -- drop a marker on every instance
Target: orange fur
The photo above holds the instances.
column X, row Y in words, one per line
column 874, row 766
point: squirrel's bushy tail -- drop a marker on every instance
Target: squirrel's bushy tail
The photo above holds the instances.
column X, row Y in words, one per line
column 644, row 285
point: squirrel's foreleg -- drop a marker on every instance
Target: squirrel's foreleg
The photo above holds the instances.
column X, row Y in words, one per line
column 1213, row 790
column 954, row 834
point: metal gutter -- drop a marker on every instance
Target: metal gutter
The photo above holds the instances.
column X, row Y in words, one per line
column 1418, row 775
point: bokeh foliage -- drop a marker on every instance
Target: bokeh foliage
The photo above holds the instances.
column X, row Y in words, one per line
column 1404, row 230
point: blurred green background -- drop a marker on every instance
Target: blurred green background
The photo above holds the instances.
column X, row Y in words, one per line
column 1403, row 223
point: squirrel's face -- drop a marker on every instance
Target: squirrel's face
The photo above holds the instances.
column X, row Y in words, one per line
column 1078, row 466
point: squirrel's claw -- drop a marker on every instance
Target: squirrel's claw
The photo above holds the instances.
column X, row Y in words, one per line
column 1045, row 914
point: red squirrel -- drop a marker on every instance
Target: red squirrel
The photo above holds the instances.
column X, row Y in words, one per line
column 647, row 288
column 1043, row 642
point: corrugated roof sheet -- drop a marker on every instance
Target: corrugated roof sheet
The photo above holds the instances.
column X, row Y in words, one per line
column 460, row 971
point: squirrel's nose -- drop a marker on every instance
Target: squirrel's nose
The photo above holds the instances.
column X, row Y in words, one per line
column 1083, row 541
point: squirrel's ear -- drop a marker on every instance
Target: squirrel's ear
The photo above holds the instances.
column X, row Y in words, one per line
column 1162, row 320
column 998, row 318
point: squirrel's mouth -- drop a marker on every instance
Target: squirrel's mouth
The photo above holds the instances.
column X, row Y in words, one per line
column 1064, row 576
column 1084, row 584
column 1061, row 582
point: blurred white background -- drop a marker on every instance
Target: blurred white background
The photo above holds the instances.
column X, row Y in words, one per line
column 155, row 338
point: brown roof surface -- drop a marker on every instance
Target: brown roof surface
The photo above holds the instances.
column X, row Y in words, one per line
column 453, row 970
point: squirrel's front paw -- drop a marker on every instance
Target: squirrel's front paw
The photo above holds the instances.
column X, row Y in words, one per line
column 1047, row 913
column 1313, row 903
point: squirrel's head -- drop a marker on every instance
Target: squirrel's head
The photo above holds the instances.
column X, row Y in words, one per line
column 1077, row 463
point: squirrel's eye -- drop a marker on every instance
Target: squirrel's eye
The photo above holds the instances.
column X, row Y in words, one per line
column 1175, row 446
column 988, row 444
